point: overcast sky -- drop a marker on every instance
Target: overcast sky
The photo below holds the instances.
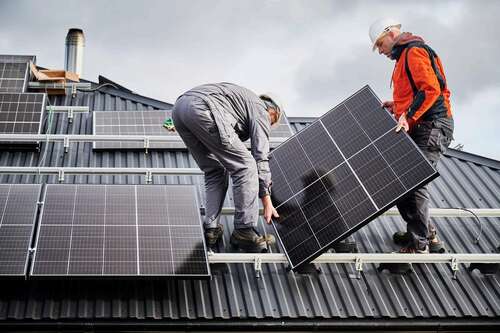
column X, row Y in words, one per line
column 311, row 53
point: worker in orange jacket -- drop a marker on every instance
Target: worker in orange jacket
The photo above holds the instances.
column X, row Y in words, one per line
column 421, row 105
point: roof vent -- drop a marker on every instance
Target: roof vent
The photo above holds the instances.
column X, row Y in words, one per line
column 73, row 58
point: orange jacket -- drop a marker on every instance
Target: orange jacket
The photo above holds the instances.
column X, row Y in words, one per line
column 427, row 100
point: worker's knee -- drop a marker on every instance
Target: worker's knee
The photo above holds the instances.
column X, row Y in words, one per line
column 215, row 173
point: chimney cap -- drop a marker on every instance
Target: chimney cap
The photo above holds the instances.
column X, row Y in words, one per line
column 75, row 30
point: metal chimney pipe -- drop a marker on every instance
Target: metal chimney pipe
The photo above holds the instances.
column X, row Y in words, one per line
column 73, row 57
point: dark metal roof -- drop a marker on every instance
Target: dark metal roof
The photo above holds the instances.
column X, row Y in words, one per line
column 428, row 298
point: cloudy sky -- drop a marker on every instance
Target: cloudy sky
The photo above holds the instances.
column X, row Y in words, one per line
column 311, row 53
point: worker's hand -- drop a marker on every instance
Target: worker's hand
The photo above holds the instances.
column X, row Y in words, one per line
column 389, row 105
column 269, row 210
column 402, row 123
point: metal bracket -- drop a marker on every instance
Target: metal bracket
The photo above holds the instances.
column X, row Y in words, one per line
column 455, row 267
column 66, row 144
column 258, row 267
column 146, row 144
column 73, row 90
column 61, row 175
column 149, row 176
column 70, row 115
column 359, row 267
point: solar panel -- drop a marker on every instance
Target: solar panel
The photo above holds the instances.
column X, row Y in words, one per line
column 21, row 113
column 149, row 123
column 339, row 173
column 132, row 123
column 18, row 208
column 120, row 230
column 13, row 77
column 17, row 58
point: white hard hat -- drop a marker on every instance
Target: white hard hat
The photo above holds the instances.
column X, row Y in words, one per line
column 379, row 27
column 271, row 100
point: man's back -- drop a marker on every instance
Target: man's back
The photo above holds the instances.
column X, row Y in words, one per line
column 232, row 106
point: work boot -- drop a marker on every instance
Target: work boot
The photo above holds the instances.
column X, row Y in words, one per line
column 348, row 245
column 402, row 238
column 249, row 240
column 213, row 235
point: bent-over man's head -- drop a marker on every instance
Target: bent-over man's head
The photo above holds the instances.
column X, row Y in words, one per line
column 274, row 108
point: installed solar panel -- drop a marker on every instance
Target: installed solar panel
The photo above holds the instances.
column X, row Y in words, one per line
column 17, row 58
column 21, row 113
column 120, row 230
column 132, row 123
column 149, row 123
column 13, row 77
column 18, row 207
column 341, row 172
column 282, row 130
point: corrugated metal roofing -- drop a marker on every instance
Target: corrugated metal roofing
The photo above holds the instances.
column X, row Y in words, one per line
column 336, row 297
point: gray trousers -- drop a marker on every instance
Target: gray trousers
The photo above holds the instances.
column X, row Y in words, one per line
column 432, row 137
column 194, row 122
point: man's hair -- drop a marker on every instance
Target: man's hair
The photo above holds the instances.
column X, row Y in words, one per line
column 271, row 104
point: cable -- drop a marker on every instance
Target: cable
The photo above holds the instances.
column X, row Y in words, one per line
column 98, row 87
column 476, row 240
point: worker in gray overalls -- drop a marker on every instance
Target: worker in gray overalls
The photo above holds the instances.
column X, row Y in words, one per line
column 214, row 120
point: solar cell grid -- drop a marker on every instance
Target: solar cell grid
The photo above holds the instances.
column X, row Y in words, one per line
column 13, row 76
column 17, row 58
column 132, row 123
column 347, row 168
column 120, row 230
column 21, row 112
column 18, row 207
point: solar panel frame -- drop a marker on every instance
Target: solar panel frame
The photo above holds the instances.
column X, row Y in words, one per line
column 110, row 249
column 29, row 227
column 126, row 116
column 285, row 201
column 14, row 77
column 283, row 129
column 17, row 58
column 9, row 101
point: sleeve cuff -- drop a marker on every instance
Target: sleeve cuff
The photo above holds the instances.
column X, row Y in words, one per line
column 263, row 193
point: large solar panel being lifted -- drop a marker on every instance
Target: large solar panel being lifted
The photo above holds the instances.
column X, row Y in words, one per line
column 149, row 123
column 13, row 77
column 341, row 172
column 120, row 230
column 21, row 113
column 18, row 208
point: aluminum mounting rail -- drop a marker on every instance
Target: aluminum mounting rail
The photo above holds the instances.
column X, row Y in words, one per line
column 69, row 109
column 61, row 172
column 367, row 258
column 359, row 259
column 65, row 85
column 67, row 138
